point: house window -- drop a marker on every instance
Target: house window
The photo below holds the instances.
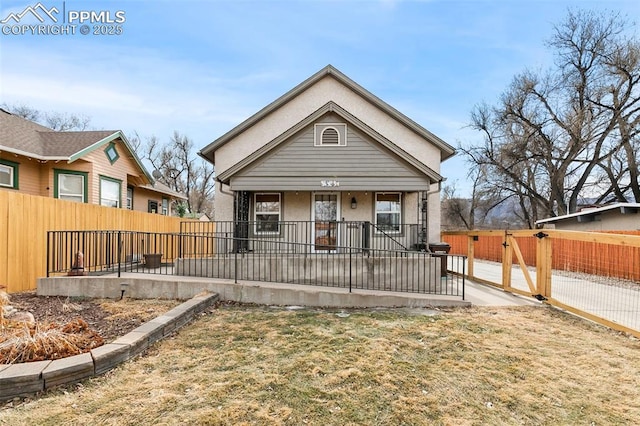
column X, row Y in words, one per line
column 129, row 198
column 267, row 213
column 330, row 134
column 112, row 153
column 70, row 185
column 110, row 195
column 165, row 206
column 388, row 211
column 8, row 174
column 153, row 206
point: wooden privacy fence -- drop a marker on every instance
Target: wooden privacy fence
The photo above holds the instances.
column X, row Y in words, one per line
column 599, row 253
column 593, row 274
column 25, row 220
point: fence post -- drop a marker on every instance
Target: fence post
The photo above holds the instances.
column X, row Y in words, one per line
column 235, row 258
column 350, row 266
column 507, row 261
column 366, row 237
column 48, row 252
column 119, row 251
column 543, row 264
column 471, row 239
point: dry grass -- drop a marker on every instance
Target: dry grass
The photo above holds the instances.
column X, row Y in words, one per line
column 262, row 366
column 144, row 309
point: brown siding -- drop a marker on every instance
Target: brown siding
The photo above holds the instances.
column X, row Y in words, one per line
column 125, row 165
column 141, row 198
column 29, row 179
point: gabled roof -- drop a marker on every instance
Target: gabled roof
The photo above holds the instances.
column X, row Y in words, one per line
column 623, row 207
column 446, row 149
column 23, row 137
column 337, row 109
column 164, row 189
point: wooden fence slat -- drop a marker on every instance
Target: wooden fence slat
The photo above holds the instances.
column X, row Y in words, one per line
column 597, row 253
column 25, row 220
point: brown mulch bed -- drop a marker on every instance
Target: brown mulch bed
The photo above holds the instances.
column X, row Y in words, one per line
column 68, row 326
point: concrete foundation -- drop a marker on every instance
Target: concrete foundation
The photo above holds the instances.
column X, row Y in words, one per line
column 415, row 272
column 173, row 287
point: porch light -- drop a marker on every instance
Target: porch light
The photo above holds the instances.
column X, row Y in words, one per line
column 354, row 203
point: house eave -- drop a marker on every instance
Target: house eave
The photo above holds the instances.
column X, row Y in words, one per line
column 335, row 108
column 33, row 155
column 589, row 214
column 208, row 152
column 116, row 135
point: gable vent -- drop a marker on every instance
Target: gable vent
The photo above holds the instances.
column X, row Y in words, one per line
column 330, row 137
column 330, row 134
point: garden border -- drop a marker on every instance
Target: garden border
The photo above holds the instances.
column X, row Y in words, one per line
column 26, row 379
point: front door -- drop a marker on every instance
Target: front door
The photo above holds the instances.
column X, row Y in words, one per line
column 325, row 216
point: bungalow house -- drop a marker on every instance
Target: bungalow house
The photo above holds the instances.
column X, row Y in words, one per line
column 96, row 167
column 611, row 217
column 330, row 153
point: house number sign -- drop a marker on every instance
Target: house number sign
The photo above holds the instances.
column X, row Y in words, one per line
column 329, row 183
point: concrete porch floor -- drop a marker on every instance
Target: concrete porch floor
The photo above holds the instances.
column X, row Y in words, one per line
column 178, row 287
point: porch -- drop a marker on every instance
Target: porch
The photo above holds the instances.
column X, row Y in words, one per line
column 368, row 258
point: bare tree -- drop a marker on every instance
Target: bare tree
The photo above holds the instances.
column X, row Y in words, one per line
column 181, row 169
column 570, row 132
column 53, row 120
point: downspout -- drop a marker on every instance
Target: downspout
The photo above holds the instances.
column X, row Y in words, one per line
column 222, row 187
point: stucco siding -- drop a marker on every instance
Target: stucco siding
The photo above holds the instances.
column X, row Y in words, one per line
column 325, row 90
column 607, row 221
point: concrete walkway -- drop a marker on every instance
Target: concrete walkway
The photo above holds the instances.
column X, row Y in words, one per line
column 613, row 299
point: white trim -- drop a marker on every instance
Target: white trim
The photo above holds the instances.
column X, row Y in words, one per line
column 31, row 154
column 313, row 220
column 589, row 211
column 73, row 197
column 11, row 176
column 319, row 129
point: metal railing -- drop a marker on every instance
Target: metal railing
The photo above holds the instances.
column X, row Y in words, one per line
column 258, row 236
column 263, row 259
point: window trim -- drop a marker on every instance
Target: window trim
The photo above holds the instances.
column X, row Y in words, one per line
column 375, row 212
column 114, row 180
column 255, row 213
column 112, row 146
column 56, row 184
column 320, row 128
column 14, row 174
column 164, row 210
column 129, row 205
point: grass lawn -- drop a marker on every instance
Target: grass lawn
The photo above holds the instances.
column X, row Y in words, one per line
column 267, row 366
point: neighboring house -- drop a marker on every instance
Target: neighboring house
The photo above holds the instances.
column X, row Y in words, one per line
column 330, row 151
column 96, row 167
column 612, row 217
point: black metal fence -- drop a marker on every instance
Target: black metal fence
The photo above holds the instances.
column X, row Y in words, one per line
column 294, row 236
column 220, row 254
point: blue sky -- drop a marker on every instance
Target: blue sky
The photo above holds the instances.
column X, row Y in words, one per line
column 202, row 67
